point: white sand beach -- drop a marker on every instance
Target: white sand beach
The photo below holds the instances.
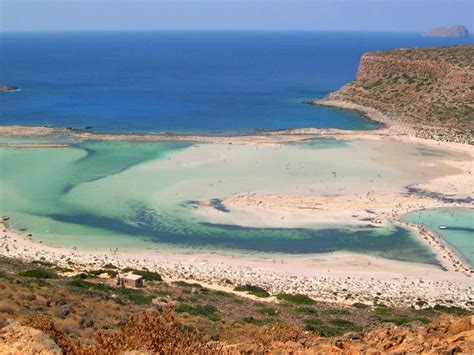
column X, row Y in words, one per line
column 339, row 277
column 336, row 277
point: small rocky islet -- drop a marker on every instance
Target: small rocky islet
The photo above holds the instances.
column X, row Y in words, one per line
column 8, row 88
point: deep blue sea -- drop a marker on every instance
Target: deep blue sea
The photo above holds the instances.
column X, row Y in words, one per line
column 185, row 81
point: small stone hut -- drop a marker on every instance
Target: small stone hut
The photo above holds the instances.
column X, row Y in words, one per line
column 130, row 280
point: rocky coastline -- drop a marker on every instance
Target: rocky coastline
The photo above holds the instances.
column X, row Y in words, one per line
column 426, row 91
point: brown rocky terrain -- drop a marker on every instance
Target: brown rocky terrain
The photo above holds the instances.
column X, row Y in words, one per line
column 426, row 88
column 46, row 309
column 153, row 333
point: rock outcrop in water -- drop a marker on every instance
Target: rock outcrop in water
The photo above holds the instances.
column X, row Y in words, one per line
column 426, row 88
column 452, row 31
column 8, row 88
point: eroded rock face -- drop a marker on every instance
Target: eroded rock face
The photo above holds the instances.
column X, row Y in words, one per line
column 16, row 339
column 452, row 31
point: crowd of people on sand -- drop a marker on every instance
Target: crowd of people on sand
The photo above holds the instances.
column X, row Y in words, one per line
column 450, row 258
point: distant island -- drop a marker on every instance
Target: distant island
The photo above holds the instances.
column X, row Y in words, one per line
column 428, row 89
column 8, row 88
column 452, row 31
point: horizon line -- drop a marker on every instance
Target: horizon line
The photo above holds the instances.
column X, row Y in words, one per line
column 211, row 30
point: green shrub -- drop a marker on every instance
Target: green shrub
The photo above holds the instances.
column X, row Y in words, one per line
column 253, row 290
column 306, row 310
column 345, row 325
column 186, row 284
column 80, row 283
column 318, row 326
column 110, row 266
column 63, row 269
column 256, row 321
column 221, row 293
column 399, row 320
column 42, row 263
column 269, row 311
column 338, row 311
column 39, row 274
column 458, row 311
column 336, row 327
column 206, row 310
column 360, row 305
column 383, row 311
column 110, row 272
column 138, row 298
column 296, row 298
column 423, row 320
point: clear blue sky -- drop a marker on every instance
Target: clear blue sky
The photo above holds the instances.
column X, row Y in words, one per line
column 353, row 15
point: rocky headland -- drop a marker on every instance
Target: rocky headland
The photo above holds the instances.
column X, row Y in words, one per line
column 429, row 90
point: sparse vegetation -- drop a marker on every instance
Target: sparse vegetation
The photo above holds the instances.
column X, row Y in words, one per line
column 411, row 86
column 333, row 327
column 296, row 298
column 147, row 275
column 253, row 290
column 206, row 310
column 39, row 274
column 86, row 313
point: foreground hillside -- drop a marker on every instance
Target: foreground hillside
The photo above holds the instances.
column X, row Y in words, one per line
column 421, row 87
column 53, row 310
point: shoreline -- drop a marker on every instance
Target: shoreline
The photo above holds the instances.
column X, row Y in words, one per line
column 340, row 277
column 362, row 277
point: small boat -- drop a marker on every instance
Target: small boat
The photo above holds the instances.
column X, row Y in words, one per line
column 443, row 227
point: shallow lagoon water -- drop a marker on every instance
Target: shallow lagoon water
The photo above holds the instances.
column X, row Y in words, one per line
column 138, row 195
column 460, row 227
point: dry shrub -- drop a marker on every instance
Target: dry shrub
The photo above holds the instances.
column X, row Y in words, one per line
column 158, row 333
column 150, row 331
column 262, row 335
column 8, row 308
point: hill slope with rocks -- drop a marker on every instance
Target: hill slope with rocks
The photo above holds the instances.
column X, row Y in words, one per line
column 51, row 309
column 425, row 88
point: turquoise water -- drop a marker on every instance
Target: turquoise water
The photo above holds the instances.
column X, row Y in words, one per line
column 139, row 196
column 460, row 227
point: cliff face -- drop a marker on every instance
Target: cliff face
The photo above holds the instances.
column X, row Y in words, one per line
column 453, row 31
column 432, row 87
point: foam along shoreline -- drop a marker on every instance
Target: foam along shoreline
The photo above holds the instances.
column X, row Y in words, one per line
column 338, row 277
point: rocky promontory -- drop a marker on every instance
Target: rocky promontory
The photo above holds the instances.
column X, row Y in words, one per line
column 452, row 31
column 8, row 88
column 428, row 89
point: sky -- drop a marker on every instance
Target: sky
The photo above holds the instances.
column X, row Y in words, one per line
column 329, row 15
